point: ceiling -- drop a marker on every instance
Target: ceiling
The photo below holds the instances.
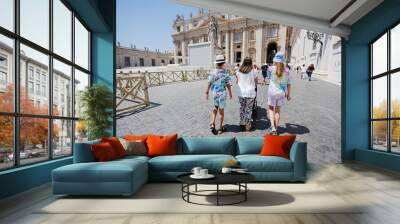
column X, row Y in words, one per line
column 321, row 9
column 328, row 16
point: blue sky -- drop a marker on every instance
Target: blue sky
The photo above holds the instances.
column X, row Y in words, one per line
column 148, row 23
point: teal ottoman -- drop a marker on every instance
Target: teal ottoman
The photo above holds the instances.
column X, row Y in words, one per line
column 119, row 177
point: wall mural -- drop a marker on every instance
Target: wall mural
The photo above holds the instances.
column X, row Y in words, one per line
column 170, row 97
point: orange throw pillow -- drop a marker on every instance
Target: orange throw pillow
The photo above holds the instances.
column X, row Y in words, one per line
column 103, row 152
column 277, row 145
column 116, row 145
column 161, row 145
column 136, row 137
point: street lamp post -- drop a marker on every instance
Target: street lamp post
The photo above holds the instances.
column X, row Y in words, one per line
column 315, row 36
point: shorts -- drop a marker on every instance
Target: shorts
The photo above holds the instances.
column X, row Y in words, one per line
column 219, row 102
column 276, row 100
column 264, row 74
column 276, row 97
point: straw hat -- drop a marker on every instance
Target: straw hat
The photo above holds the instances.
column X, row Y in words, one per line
column 219, row 59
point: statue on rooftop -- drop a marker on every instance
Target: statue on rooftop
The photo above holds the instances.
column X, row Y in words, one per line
column 213, row 31
column 213, row 37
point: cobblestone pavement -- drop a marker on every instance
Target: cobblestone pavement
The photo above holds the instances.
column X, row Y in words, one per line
column 313, row 115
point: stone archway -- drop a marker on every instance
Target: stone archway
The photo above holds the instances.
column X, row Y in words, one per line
column 272, row 48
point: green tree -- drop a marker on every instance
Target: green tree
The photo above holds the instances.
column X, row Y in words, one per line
column 395, row 123
column 33, row 131
column 380, row 127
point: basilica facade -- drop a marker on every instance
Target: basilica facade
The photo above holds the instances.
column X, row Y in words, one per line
column 237, row 37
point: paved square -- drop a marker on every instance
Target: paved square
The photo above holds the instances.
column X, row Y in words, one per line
column 313, row 115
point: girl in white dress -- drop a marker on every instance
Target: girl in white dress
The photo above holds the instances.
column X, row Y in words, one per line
column 278, row 91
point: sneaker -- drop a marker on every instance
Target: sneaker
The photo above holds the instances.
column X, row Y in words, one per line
column 213, row 130
column 248, row 127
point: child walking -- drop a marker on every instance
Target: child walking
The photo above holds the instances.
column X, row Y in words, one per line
column 218, row 82
column 278, row 91
column 247, row 81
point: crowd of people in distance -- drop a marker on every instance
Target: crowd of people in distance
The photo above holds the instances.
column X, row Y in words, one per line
column 303, row 71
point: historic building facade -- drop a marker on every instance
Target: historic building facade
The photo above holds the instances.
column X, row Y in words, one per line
column 325, row 53
column 134, row 57
column 34, row 81
column 237, row 37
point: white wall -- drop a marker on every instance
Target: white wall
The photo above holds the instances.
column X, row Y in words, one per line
column 200, row 54
column 326, row 57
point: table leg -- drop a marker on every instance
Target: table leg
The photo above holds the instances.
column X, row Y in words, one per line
column 245, row 193
column 188, row 190
column 196, row 187
column 217, row 194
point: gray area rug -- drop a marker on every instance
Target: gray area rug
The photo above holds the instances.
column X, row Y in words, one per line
column 166, row 198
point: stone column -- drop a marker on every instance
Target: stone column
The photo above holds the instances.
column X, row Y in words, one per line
column 219, row 42
column 183, row 50
column 259, row 45
column 227, row 50
column 232, row 53
column 245, row 48
column 175, row 53
column 282, row 39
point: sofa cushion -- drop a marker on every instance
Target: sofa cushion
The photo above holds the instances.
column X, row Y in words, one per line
column 128, row 159
column 249, row 145
column 116, row 145
column 120, row 170
column 206, row 145
column 277, row 145
column 257, row 163
column 185, row 163
column 134, row 147
column 103, row 152
column 161, row 145
column 136, row 137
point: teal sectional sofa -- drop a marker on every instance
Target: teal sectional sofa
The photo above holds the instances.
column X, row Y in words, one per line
column 125, row 176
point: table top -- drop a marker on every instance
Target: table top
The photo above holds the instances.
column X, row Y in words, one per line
column 220, row 178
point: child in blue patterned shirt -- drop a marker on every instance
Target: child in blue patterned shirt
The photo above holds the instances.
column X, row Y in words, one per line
column 218, row 82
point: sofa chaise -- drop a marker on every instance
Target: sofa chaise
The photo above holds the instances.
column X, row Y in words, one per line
column 125, row 176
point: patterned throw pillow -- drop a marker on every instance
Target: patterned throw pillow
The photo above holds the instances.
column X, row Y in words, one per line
column 134, row 147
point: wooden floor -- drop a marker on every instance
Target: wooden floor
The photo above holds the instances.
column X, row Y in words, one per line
column 379, row 189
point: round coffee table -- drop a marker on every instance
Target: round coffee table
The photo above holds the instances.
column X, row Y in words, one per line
column 238, row 179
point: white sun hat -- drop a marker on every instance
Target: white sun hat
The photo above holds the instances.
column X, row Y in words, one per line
column 219, row 59
column 279, row 57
